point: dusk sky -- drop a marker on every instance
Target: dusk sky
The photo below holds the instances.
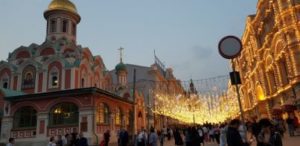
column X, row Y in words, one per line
column 184, row 33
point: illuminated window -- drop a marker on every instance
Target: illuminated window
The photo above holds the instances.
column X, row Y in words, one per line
column 103, row 114
column 118, row 116
column 54, row 78
column 64, row 114
column 25, row 117
column 54, row 81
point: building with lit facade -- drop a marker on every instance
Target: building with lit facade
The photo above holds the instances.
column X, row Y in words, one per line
column 150, row 82
column 269, row 63
column 59, row 87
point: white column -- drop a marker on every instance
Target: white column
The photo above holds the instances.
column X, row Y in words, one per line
column 7, row 124
column 42, row 116
column 19, row 84
column 11, row 81
column 36, row 86
column 45, row 82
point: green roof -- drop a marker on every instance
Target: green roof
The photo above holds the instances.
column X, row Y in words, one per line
column 121, row 67
column 9, row 92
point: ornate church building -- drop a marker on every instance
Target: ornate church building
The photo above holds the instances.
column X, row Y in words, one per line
column 59, row 87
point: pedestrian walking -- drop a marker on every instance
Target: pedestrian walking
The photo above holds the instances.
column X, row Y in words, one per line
column 188, row 137
column 82, row 141
column 211, row 134
column 11, row 142
column 161, row 138
column 268, row 136
column 201, row 134
column 106, row 137
column 142, row 138
column 153, row 137
column 59, row 141
column 177, row 138
column 223, row 131
column 123, row 137
column 233, row 136
column 290, row 123
column 51, row 142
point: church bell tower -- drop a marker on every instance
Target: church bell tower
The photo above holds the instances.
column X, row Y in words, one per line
column 62, row 19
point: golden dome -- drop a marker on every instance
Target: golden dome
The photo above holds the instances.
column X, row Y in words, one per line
column 65, row 5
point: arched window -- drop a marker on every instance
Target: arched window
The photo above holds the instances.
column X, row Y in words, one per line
column 54, row 78
column 82, row 82
column 118, row 116
column 272, row 81
column 4, row 81
column 64, row 114
column 25, row 117
column 5, row 85
column 103, row 114
column 284, row 72
column 74, row 29
column 53, row 25
column 65, row 24
column 28, row 76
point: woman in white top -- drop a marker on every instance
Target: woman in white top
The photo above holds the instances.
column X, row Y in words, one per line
column 51, row 142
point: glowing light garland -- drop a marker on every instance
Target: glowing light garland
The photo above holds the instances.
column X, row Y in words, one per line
column 213, row 107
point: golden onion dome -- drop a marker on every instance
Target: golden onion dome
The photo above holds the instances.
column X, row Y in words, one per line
column 64, row 5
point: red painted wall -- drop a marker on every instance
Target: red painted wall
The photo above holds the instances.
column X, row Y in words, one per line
column 15, row 83
column 47, row 51
column 68, row 79
column 76, row 78
column 23, row 54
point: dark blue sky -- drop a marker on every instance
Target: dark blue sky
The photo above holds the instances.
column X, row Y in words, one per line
column 184, row 33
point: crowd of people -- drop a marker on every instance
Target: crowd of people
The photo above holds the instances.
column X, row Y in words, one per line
column 265, row 132
column 69, row 139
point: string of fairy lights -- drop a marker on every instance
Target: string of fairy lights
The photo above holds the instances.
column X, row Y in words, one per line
column 213, row 101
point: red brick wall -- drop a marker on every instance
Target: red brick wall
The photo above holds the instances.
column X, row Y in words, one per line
column 68, row 79
column 47, row 51
column 76, row 79
column 15, row 83
column 40, row 86
column 23, row 54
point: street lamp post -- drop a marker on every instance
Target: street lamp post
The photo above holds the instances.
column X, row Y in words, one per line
column 230, row 47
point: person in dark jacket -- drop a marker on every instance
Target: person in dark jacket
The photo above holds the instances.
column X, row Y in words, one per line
column 106, row 137
column 123, row 137
column 233, row 136
column 177, row 138
column 268, row 135
column 291, row 126
column 82, row 141
column 59, row 141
